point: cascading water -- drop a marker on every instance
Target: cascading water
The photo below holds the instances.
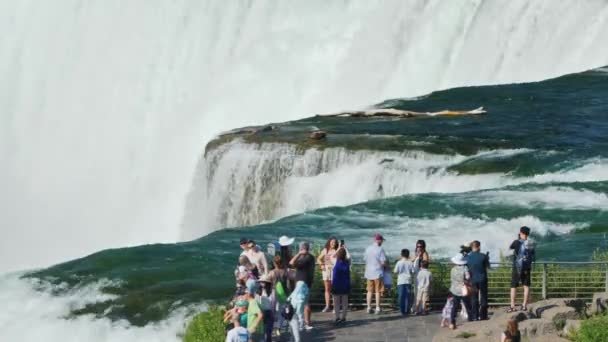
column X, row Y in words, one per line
column 242, row 184
column 105, row 105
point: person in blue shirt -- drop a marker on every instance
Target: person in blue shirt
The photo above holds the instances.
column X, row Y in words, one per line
column 523, row 257
column 478, row 264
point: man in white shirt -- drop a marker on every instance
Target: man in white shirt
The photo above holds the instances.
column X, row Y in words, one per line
column 257, row 257
column 375, row 260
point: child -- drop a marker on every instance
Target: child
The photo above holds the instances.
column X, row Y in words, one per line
column 238, row 333
column 423, row 281
column 447, row 311
column 512, row 333
column 404, row 269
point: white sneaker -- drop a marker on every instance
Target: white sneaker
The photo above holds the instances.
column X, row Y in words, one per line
column 378, row 311
column 325, row 309
column 308, row 327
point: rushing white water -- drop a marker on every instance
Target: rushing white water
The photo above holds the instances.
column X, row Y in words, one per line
column 31, row 314
column 243, row 184
column 496, row 234
column 549, row 198
column 106, row 105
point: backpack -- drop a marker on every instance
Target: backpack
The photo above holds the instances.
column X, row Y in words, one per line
column 281, row 289
column 524, row 256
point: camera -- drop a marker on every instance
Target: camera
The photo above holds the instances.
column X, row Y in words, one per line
column 464, row 250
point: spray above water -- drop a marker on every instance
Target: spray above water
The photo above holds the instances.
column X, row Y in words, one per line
column 102, row 125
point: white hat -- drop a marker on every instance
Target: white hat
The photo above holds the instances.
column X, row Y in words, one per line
column 264, row 278
column 459, row 260
column 285, row 241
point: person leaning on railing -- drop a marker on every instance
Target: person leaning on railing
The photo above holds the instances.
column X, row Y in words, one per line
column 327, row 259
column 340, row 284
column 478, row 264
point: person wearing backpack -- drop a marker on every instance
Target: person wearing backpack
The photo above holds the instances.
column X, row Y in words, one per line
column 523, row 256
column 283, row 286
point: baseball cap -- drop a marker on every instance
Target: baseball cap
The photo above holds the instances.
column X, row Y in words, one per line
column 244, row 240
column 379, row 237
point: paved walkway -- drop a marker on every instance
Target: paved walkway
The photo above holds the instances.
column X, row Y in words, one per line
column 362, row 327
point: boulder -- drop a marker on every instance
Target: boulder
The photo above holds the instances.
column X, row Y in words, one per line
column 539, row 307
column 537, row 327
column 571, row 326
column 561, row 314
column 318, row 135
column 599, row 303
column 548, row 338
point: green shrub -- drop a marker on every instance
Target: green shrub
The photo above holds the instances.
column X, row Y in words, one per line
column 593, row 329
column 207, row 327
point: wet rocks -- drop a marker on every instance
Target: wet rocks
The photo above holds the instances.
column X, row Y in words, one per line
column 599, row 304
column 318, row 135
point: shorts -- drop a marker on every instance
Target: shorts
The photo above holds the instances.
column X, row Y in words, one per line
column 522, row 278
column 327, row 273
column 422, row 295
column 375, row 285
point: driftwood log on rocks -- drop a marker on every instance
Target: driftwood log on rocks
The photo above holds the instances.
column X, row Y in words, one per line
column 398, row 113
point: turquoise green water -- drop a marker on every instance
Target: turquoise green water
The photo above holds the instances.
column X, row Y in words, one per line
column 542, row 149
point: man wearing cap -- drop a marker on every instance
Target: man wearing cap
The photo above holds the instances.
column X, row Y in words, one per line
column 375, row 261
column 304, row 263
column 255, row 316
column 523, row 256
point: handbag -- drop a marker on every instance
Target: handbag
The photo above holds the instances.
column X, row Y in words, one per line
column 467, row 290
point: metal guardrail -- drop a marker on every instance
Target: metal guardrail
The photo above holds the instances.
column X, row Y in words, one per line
column 549, row 280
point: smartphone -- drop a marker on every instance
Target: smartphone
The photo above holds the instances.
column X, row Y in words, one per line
column 341, row 242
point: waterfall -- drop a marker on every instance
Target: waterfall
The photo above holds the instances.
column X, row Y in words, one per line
column 105, row 106
column 239, row 184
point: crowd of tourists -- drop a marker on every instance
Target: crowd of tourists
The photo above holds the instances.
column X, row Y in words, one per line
column 274, row 300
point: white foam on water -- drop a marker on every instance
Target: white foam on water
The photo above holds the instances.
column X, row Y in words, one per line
column 549, row 198
column 444, row 235
column 105, row 106
column 31, row 315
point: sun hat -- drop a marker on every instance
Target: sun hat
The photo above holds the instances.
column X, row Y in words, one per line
column 458, row 259
column 285, row 241
column 264, row 278
column 379, row 237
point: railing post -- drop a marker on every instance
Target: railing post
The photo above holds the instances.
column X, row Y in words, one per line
column 606, row 271
column 544, row 280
